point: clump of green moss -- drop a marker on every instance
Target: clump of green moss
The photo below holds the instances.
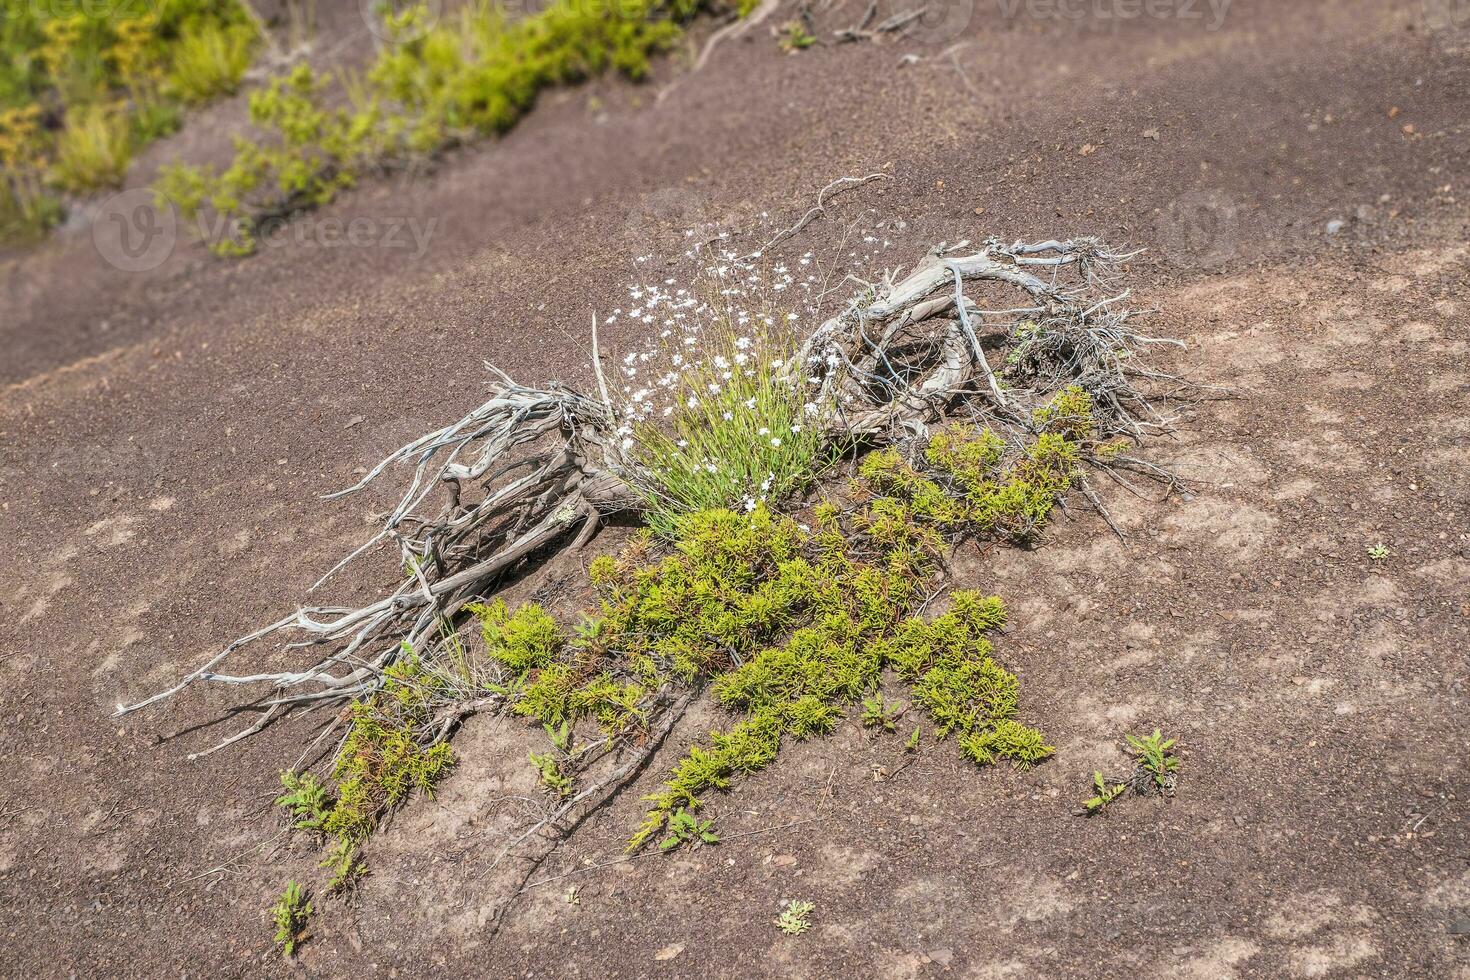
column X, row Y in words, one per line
column 791, row 624
column 788, row 625
column 388, row 753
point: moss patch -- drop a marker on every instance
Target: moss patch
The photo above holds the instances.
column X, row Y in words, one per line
column 789, row 624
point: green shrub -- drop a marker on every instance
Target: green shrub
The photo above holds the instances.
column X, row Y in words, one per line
column 389, row 752
column 473, row 74
column 740, row 432
column 788, row 624
column 94, row 150
column 97, row 73
column 209, row 59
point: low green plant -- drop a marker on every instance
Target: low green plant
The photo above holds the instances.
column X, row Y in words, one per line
column 877, row 713
column 687, row 830
column 434, row 84
column 549, row 769
column 82, row 87
column 1105, row 793
column 1156, row 767
column 795, row 917
column 308, row 801
column 1378, row 552
column 290, row 915
column 790, row 624
column 94, row 149
column 742, row 433
column 912, row 745
column 209, row 58
column 795, row 37
column 390, row 751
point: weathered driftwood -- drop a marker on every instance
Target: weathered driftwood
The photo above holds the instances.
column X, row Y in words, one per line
column 536, row 469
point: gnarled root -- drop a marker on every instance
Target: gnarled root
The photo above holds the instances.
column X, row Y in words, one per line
column 547, row 465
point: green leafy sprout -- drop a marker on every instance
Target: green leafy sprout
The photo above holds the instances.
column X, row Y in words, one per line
column 1105, row 793
column 795, row 917
column 685, row 829
column 877, row 713
column 1156, row 767
column 290, row 914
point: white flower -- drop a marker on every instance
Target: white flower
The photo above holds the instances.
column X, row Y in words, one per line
column 742, row 342
column 776, row 441
column 763, row 431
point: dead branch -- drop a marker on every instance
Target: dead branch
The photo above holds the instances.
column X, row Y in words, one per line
column 532, row 470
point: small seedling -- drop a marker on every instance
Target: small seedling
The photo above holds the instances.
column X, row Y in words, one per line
column 561, row 738
column 343, row 861
column 877, row 713
column 912, row 745
column 1378, row 552
column 1106, row 793
column 795, row 37
column 290, row 914
column 307, row 799
column 549, row 767
column 795, row 917
column 686, row 828
column 1156, row 766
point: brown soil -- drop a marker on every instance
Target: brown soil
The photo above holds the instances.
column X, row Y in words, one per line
column 163, row 437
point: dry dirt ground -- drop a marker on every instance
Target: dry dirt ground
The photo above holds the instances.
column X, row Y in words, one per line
column 163, row 436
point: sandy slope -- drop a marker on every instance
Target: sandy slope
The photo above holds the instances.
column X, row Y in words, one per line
column 163, row 434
